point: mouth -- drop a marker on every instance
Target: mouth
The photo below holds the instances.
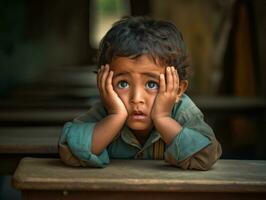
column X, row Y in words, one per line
column 138, row 115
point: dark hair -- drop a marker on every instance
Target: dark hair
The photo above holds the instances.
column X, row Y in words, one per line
column 135, row 36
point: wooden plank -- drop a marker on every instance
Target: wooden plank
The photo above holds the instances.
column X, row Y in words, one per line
column 18, row 142
column 140, row 195
column 29, row 103
column 227, row 176
column 69, row 76
column 66, row 76
column 53, row 92
column 74, row 82
column 29, row 140
column 213, row 104
column 53, row 113
column 231, row 105
column 38, row 116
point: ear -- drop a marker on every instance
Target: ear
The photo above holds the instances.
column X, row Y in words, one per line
column 182, row 88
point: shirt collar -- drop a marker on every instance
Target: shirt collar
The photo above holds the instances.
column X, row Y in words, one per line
column 128, row 137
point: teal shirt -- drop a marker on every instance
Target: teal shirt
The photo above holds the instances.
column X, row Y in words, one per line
column 194, row 136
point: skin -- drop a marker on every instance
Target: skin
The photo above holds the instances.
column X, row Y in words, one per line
column 141, row 94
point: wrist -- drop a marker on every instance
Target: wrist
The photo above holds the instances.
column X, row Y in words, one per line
column 167, row 127
column 121, row 116
column 117, row 112
column 157, row 120
column 160, row 117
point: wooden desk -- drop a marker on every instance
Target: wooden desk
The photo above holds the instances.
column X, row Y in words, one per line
column 18, row 142
column 140, row 179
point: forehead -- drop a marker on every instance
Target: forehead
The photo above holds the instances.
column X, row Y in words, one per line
column 141, row 64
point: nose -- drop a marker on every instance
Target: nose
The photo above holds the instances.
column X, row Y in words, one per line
column 137, row 95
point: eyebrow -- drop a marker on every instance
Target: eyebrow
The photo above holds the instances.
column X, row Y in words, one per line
column 149, row 74
column 120, row 74
column 152, row 75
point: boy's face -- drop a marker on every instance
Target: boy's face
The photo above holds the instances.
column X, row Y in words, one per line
column 136, row 81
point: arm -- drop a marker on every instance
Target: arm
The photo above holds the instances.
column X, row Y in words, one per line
column 195, row 147
column 109, row 127
column 190, row 145
column 163, row 105
column 204, row 159
column 84, row 141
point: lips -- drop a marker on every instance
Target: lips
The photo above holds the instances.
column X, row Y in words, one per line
column 138, row 115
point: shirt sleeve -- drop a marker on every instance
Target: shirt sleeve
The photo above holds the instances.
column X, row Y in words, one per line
column 76, row 140
column 195, row 146
column 77, row 137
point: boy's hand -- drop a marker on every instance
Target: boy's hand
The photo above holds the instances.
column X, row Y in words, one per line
column 109, row 97
column 167, row 95
column 163, row 105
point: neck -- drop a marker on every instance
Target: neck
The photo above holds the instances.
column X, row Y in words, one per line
column 141, row 135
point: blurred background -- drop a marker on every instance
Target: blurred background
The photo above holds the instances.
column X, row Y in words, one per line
column 47, row 57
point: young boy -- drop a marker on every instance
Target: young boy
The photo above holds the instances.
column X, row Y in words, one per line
column 143, row 113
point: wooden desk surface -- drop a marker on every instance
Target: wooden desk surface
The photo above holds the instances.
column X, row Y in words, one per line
column 226, row 176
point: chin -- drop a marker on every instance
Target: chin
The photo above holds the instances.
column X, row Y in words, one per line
column 139, row 126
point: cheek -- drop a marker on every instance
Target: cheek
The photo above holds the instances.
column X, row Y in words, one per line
column 152, row 98
column 123, row 95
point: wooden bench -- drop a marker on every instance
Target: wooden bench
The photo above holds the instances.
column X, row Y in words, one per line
column 34, row 103
column 40, row 178
column 13, row 110
column 65, row 83
column 18, row 142
column 51, row 93
column 38, row 116
column 68, row 76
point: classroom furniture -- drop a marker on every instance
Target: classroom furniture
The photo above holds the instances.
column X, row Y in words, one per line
column 18, row 142
column 47, row 178
column 38, row 116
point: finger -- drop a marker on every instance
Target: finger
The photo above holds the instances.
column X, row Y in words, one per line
column 169, row 79
column 104, row 77
column 162, row 83
column 109, row 86
column 175, row 79
column 99, row 75
column 99, row 78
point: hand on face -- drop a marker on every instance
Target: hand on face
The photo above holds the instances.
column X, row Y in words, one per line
column 167, row 94
column 109, row 97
